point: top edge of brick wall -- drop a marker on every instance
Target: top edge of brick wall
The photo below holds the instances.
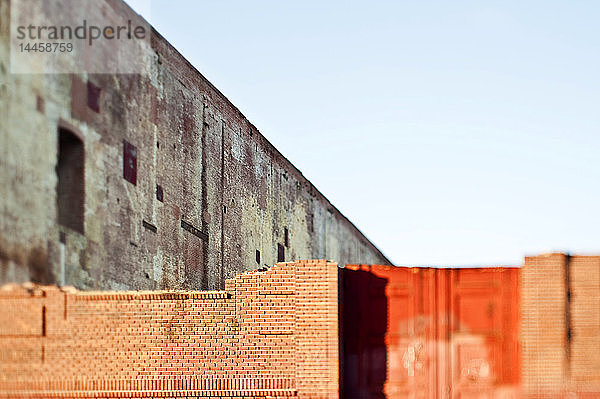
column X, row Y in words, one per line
column 312, row 261
column 416, row 269
column 150, row 295
column 27, row 290
column 561, row 255
column 42, row 292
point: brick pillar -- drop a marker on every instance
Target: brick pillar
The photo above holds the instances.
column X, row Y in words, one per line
column 584, row 359
column 544, row 320
column 317, row 350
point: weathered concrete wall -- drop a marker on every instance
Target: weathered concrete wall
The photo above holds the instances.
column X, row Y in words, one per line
column 221, row 179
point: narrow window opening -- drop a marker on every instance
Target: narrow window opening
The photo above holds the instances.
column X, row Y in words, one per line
column 71, row 184
column 258, row 256
column 286, row 237
column 40, row 104
column 149, row 226
column 93, row 96
column 280, row 253
column 129, row 162
column 160, row 195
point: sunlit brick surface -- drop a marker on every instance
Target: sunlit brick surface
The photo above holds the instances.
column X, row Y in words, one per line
column 269, row 334
column 560, row 326
column 406, row 333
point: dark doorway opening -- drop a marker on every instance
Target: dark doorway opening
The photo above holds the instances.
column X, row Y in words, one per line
column 363, row 329
column 70, row 190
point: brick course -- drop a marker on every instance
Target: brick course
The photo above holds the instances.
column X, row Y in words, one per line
column 270, row 334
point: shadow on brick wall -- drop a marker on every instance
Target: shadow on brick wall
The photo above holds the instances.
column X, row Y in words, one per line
column 363, row 326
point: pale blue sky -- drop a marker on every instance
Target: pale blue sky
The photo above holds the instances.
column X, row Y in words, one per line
column 449, row 132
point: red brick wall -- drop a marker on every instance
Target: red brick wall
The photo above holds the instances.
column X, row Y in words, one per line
column 543, row 330
column 584, row 356
column 269, row 334
column 430, row 333
column 560, row 333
